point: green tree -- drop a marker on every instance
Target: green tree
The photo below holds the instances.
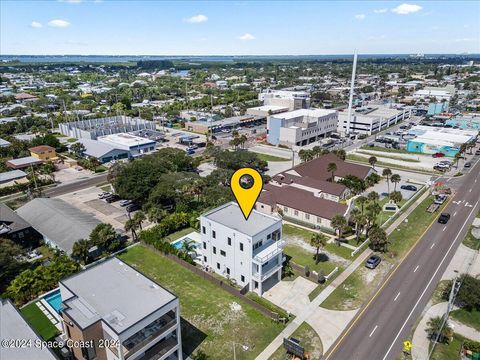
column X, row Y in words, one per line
column 105, row 237
column 378, row 239
column 9, row 266
column 396, row 196
column 339, row 223
column 372, row 160
column 387, row 173
column 436, row 327
column 395, row 179
column 361, row 200
column 318, row 240
column 156, row 214
column 80, row 251
column 77, row 148
column 331, row 168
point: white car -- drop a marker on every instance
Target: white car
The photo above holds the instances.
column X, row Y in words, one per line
column 104, row 194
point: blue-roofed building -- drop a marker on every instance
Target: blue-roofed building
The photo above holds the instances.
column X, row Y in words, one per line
column 465, row 122
column 437, row 108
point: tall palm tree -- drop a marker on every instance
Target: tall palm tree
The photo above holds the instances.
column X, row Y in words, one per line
column 395, row 178
column 131, row 225
column 373, row 196
column 372, row 161
column 188, row 247
column 435, row 328
column 387, row 173
column 318, row 240
column 80, row 250
column 332, row 167
column 361, row 200
column 156, row 214
column 339, row 223
column 139, row 218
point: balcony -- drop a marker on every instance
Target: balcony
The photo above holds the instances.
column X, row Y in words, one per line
column 147, row 334
column 269, row 252
column 267, row 270
column 160, row 349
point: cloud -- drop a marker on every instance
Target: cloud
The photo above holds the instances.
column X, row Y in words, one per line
column 58, row 23
column 380, row 11
column 247, row 37
column 405, row 9
column 360, row 16
column 36, row 25
column 196, row 19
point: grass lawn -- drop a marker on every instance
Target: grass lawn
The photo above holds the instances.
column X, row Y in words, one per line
column 349, row 294
column 309, row 339
column 304, row 258
column 39, row 321
column 470, row 241
column 267, row 157
column 177, row 235
column 407, row 233
column 210, row 323
column 106, row 187
column 448, row 351
column 71, row 140
column 469, row 318
column 382, row 149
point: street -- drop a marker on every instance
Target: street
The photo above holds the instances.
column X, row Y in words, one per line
column 380, row 327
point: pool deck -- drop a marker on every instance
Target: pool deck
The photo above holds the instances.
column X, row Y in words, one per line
column 50, row 313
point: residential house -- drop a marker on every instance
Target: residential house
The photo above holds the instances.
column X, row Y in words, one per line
column 44, row 152
column 17, row 229
column 13, row 177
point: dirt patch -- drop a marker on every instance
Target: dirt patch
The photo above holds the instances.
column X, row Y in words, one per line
column 298, row 241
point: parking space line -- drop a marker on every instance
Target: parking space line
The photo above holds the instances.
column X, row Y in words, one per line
column 431, row 247
column 444, row 228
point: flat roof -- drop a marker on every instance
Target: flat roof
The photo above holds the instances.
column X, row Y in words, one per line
column 114, row 292
column 124, row 140
column 305, row 113
column 268, row 108
column 14, row 326
column 231, row 216
column 25, row 161
column 12, row 175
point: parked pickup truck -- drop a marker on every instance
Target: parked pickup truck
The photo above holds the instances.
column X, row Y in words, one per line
column 433, row 207
column 440, row 199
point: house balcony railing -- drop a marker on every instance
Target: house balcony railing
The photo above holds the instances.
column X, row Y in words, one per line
column 270, row 251
column 266, row 273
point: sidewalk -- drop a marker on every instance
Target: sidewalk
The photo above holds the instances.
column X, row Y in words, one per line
column 313, row 308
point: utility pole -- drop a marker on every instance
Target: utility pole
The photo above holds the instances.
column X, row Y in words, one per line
column 350, row 100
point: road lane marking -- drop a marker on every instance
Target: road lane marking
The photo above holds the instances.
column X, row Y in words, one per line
column 375, row 328
column 431, row 247
column 444, row 228
column 429, row 283
column 358, row 317
column 470, row 190
column 416, row 269
column 396, row 297
column 455, row 213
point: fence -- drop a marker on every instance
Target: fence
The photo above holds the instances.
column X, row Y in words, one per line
column 240, row 294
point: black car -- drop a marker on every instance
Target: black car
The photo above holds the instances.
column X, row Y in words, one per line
column 408, row 187
column 443, row 218
column 132, row 207
column 373, row 261
column 112, row 198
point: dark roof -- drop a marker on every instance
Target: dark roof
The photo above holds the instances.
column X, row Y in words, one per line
column 301, row 200
column 322, row 185
column 11, row 219
column 317, row 168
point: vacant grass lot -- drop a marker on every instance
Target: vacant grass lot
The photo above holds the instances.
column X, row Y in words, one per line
column 267, row 157
column 469, row 318
column 388, row 156
column 448, row 351
column 39, row 321
column 382, row 149
column 362, row 159
column 212, row 322
column 308, row 339
column 470, row 241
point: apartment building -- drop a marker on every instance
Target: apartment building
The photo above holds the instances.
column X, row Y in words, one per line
column 250, row 252
column 301, row 127
column 124, row 314
column 293, row 100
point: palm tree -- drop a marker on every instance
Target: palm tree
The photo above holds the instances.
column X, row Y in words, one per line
column 378, row 239
column 318, row 240
column 332, row 167
column 373, row 196
column 361, row 200
column 396, row 196
column 339, row 223
column 242, row 140
column 437, row 328
column 458, row 156
column 372, row 161
column 139, row 218
column 156, row 214
column 395, row 178
column 80, row 250
column 77, row 148
column 131, row 225
column 359, row 220
column 93, row 163
column 387, row 172
column 188, row 247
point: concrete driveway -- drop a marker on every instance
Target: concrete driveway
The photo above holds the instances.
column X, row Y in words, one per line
column 291, row 296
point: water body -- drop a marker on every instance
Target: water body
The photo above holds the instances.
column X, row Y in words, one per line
column 218, row 58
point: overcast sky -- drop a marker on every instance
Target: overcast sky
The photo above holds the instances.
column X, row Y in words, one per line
column 121, row 27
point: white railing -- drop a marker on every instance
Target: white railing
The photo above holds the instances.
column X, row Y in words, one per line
column 278, row 248
column 266, row 274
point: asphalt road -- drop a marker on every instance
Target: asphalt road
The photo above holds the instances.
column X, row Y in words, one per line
column 381, row 326
column 74, row 186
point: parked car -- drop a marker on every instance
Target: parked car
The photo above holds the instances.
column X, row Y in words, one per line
column 112, row 198
column 440, row 199
column 104, row 194
column 125, row 202
column 132, row 207
column 373, row 261
column 408, row 187
column 190, row 151
column 477, row 152
column 438, row 154
column 468, row 164
column 440, row 168
column 443, row 218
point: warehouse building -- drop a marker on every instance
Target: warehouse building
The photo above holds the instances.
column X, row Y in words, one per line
column 431, row 140
column 204, row 126
column 301, row 127
column 94, row 128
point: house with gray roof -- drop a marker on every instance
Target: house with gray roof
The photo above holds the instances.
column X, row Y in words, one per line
column 17, row 229
column 60, row 223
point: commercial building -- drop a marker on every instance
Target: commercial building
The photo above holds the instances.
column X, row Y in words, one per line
column 301, row 127
column 266, row 110
column 202, row 126
column 293, row 100
column 438, row 93
column 44, row 153
column 60, row 224
column 248, row 252
column 14, row 327
column 430, row 139
column 304, row 193
column 135, row 145
column 94, row 128
column 465, row 122
column 369, row 120
column 436, row 108
column 122, row 312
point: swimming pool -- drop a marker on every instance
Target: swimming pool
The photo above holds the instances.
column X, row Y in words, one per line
column 179, row 243
column 54, row 299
